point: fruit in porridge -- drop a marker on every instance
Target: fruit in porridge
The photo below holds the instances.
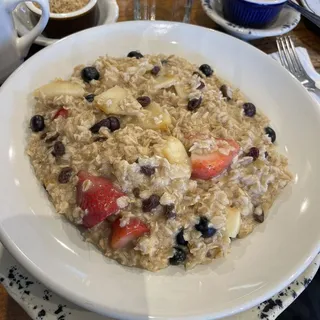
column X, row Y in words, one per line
column 271, row 134
column 249, row 109
column 135, row 54
column 90, row 73
column 206, row 70
column 209, row 165
column 90, row 97
column 37, row 123
column 97, row 196
column 62, row 112
column 124, row 235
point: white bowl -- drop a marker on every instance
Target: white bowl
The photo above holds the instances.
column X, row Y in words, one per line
column 258, row 266
column 287, row 20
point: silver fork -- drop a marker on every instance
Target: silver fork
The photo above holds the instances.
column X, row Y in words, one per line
column 290, row 60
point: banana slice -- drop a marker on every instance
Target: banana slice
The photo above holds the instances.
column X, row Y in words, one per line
column 163, row 82
column 59, row 88
column 175, row 151
column 111, row 102
column 233, row 222
column 155, row 118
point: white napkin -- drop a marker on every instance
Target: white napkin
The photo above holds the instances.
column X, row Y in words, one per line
column 307, row 64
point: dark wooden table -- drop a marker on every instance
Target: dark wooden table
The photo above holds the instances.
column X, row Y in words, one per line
column 302, row 309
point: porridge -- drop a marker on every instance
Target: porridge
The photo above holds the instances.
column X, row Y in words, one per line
column 158, row 160
column 65, row 6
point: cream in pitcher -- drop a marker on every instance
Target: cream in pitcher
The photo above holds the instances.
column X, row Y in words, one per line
column 13, row 49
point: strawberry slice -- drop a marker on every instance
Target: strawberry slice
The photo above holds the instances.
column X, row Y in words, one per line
column 207, row 166
column 121, row 236
column 99, row 200
column 62, row 112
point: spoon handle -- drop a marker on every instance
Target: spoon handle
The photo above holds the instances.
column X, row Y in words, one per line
column 306, row 13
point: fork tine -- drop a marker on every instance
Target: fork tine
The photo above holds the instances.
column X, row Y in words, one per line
column 287, row 55
column 281, row 54
column 295, row 55
column 292, row 57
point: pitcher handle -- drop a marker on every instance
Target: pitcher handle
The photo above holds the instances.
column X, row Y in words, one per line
column 23, row 43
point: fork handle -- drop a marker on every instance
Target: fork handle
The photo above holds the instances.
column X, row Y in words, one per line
column 306, row 13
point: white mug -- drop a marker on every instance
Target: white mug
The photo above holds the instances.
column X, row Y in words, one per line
column 13, row 49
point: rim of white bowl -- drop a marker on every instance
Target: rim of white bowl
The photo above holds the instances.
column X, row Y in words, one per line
column 266, row 2
column 72, row 14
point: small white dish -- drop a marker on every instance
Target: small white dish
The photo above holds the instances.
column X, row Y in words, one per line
column 108, row 13
column 258, row 267
column 287, row 20
column 72, row 14
column 39, row 298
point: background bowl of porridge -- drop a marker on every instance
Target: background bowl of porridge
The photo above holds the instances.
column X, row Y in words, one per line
column 67, row 17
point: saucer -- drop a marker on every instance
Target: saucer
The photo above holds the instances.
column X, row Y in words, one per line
column 108, row 13
column 286, row 21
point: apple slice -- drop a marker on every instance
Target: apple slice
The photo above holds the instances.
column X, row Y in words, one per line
column 155, row 118
column 175, row 152
column 112, row 102
column 233, row 216
column 59, row 88
column 163, row 82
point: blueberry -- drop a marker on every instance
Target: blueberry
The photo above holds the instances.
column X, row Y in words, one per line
column 37, row 123
column 135, row 54
column 194, row 104
column 114, row 124
column 254, row 153
column 178, row 257
column 169, row 211
column 271, row 133
column 203, row 227
column 144, row 101
column 90, row 97
column 65, row 175
column 58, row 149
column 180, row 239
column 206, row 70
column 147, row 170
column 151, row 203
column 103, row 123
column 155, row 70
column 90, row 73
column 249, row 109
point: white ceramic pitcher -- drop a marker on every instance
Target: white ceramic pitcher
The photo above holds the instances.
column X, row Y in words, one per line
column 12, row 48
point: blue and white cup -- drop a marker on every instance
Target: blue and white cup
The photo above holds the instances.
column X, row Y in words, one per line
column 252, row 13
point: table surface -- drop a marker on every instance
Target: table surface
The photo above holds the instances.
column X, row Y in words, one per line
column 303, row 36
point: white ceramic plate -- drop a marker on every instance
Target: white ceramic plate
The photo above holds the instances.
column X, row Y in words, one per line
column 287, row 20
column 312, row 5
column 258, row 266
column 108, row 12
